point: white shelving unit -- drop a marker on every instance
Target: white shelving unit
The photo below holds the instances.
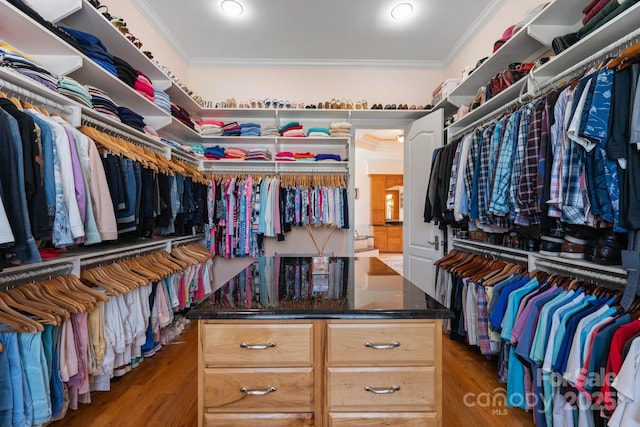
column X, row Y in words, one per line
column 532, row 41
column 558, row 18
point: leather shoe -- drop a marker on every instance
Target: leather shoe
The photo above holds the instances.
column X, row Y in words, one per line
column 606, row 255
column 573, row 250
column 550, row 246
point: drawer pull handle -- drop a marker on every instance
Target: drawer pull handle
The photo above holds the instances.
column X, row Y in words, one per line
column 250, row 392
column 257, row 346
column 391, row 390
column 393, row 345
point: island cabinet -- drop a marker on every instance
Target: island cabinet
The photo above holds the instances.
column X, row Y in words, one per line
column 343, row 350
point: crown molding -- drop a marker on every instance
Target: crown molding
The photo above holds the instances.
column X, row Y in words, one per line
column 473, row 29
column 314, row 63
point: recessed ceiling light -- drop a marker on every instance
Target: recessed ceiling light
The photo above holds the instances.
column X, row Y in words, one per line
column 402, row 11
column 231, row 7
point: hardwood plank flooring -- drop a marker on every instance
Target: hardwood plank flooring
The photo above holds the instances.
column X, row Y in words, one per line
column 472, row 395
column 162, row 392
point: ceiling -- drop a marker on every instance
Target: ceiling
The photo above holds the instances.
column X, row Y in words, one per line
column 318, row 33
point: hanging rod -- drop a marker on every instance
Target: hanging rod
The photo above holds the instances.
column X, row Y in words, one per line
column 11, row 280
column 149, row 143
column 486, row 119
column 37, row 99
column 617, row 281
column 187, row 241
column 119, row 256
column 617, row 47
column 495, row 254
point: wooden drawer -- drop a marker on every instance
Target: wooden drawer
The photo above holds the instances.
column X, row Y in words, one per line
column 257, row 344
column 412, row 419
column 375, row 344
column 222, row 389
column 258, row 420
column 347, row 389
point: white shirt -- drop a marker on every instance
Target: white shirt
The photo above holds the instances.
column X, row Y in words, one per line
column 627, row 384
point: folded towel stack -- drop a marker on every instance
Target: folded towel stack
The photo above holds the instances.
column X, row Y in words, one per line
column 318, row 132
column 23, row 64
column 328, row 157
column 292, row 129
column 249, row 129
column 231, row 129
column 305, row 157
column 340, row 129
column 74, row 90
column 131, row 118
column 285, row 156
column 144, row 87
column 270, row 130
column 182, row 115
column 162, row 100
column 125, row 71
column 209, row 127
column 235, row 154
column 258, row 154
column 214, row 153
column 102, row 102
column 92, row 47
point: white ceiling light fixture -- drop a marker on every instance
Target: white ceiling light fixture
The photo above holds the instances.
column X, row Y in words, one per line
column 231, row 7
column 401, row 11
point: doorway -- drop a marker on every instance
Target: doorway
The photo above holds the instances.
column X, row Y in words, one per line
column 378, row 152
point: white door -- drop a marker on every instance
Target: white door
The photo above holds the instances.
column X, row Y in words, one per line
column 422, row 241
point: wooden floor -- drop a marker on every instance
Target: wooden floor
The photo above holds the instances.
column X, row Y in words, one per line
column 162, row 392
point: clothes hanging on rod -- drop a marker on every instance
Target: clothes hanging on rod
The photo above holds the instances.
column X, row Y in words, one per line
column 562, row 160
column 90, row 335
column 561, row 342
column 245, row 209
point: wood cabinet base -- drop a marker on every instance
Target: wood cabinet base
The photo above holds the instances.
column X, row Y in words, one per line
column 358, row 373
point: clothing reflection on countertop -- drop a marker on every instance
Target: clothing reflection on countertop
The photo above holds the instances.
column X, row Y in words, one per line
column 286, row 283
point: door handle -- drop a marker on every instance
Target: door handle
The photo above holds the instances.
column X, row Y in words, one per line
column 435, row 243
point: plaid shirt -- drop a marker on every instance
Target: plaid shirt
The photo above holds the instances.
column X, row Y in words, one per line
column 558, row 137
column 473, row 171
column 527, row 187
column 574, row 188
column 483, row 321
column 523, row 130
column 483, row 174
column 502, row 178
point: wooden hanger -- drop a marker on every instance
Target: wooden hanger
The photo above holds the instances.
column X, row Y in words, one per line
column 44, row 317
column 18, row 320
column 92, row 276
column 625, row 56
column 19, row 295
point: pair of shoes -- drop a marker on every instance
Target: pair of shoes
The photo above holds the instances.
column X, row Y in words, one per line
column 390, row 107
column 376, row 107
column 133, row 39
column 362, row 105
column 403, row 107
column 231, row 103
column 413, row 107
column 310, row 107
column 608, row 250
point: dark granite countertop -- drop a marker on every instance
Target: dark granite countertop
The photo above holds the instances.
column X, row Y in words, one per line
column 291, row 288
